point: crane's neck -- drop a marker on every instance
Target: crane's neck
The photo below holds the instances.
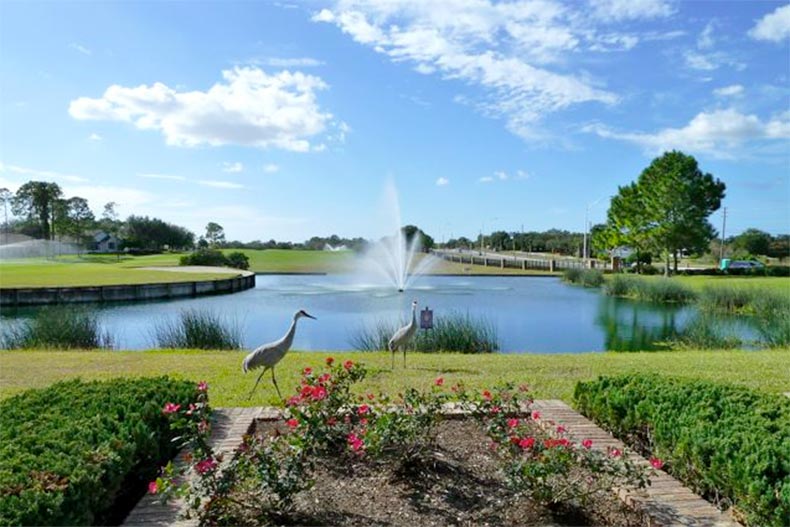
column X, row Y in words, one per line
column 289, row 337
column 413, row 314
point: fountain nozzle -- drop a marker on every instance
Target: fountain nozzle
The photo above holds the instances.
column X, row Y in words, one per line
column 400, row 290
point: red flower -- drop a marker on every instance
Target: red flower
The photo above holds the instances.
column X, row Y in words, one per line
column 527, row 442
column 206, row 465
column 657, row 463
column 329, row 361
column 371, row 397
column 439, row 381
column 355, row 442
column 515, row 440
column 332, row 421
column 512, row 423
column 587, row 443
column 348, row 365
column 307, row 371
column 307, row 390
column 561, row 429
column 615, row 452
column 152, row 488
column 292, row 423
column 324, row 378
column 487, row 395
column 363, row 421
column 171, row 408
column 294, row 401
column 202, row 386
column 536, row 415
column 363, row 409
column 495, row 409
column 319, row 393
column 191, row 409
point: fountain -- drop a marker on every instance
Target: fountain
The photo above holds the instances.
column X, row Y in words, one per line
column 393, row 261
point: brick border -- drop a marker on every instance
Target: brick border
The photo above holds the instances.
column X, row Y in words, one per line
column 665, row 502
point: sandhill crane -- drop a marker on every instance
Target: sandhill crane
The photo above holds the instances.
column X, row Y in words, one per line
column 403, row 336
column 268, row 355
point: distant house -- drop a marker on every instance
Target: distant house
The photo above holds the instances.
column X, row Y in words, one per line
column 105, row 243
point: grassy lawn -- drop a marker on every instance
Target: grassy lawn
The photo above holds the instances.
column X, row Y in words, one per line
column 53, row 274
column 549, row 376
column 778, row 283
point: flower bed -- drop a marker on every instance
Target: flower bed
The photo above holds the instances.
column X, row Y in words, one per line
column 344, row 458
column 731, row 444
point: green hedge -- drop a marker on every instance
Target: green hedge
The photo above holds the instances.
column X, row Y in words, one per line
column 71, row 451
column 721, row 440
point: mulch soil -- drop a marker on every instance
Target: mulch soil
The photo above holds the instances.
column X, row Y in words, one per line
column 455, row 482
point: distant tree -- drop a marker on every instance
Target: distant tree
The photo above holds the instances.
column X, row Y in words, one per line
column 666, row 210
column 780, row 246
column 73, row 217
column 753, row 241
column 215, row 234
column 410, row 231
column 35, row 201
column 153, row 234
column 500, row 240
column 109, row 221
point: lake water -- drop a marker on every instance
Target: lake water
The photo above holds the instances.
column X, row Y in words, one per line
column 531, row 314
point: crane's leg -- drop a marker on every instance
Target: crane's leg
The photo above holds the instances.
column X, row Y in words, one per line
column 256, row 382
column 404, row 357
column 275, row 384
column 392, row 351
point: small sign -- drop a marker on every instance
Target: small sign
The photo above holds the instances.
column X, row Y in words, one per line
column 426, row 319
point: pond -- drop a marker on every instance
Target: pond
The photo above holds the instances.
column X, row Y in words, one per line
column 530, row 314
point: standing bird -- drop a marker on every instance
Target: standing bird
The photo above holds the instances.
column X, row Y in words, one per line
column 270, row 354
column 403, row 336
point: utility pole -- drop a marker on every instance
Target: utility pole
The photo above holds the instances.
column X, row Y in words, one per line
column 584, row 249
column 723, row 226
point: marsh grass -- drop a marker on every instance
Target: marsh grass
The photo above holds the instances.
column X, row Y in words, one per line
column 57, row 327
column 705, row 332
column 664, row 290
column 455, row 332
column 198, row 329
column 583, row 277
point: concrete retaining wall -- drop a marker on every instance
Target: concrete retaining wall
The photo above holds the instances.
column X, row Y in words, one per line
column 117, row 293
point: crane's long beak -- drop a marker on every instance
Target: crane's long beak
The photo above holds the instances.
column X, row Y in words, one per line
column 310, row 316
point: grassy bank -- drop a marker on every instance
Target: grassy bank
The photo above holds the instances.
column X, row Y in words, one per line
column 549, row 376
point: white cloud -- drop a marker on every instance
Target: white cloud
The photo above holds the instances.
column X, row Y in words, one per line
column 442, row 181
column 298, row 62
column 620, row 10
column 271, row 168
column 232, row 168
column 250, row 108
column 501, row 175
column 735, row 90
column 219, row 184
column 162, row 176
column 501, row 47
column 719, row 133
column 774, row 26
column 486, row 179
column 81, row 49
column 522, row 174
column 700, row 61
column 95, row 137
column 705, row 39
column 42, row 174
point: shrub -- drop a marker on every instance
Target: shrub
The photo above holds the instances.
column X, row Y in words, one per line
column 58, row 328
column 75, row 452
column 460, row 333
column 199, row 329
column 585, row 277
column 213, row 257
column 650, row 290
column 238, row 260
column 729, row 443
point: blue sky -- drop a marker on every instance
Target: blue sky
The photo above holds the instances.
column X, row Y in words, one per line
column 285, row 120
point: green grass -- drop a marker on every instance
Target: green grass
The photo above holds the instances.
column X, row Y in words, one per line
column 549, row 376
column 58, row 274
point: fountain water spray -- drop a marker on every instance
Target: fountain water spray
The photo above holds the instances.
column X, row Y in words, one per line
column 392, row 260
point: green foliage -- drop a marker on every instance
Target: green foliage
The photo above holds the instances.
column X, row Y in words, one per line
column 142, row 232
column 35, row 200
column 705, row 332
column 753, row 241
column 72, row 450
column 660, row 290
column 238, row 260
column 455, row 332
column 211, row 257
column 731, row 444
column 198, row 329
column 666, row 209
column 57, row 328
column 584, row 277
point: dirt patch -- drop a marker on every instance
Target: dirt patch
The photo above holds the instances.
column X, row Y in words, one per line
column 455, row 482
